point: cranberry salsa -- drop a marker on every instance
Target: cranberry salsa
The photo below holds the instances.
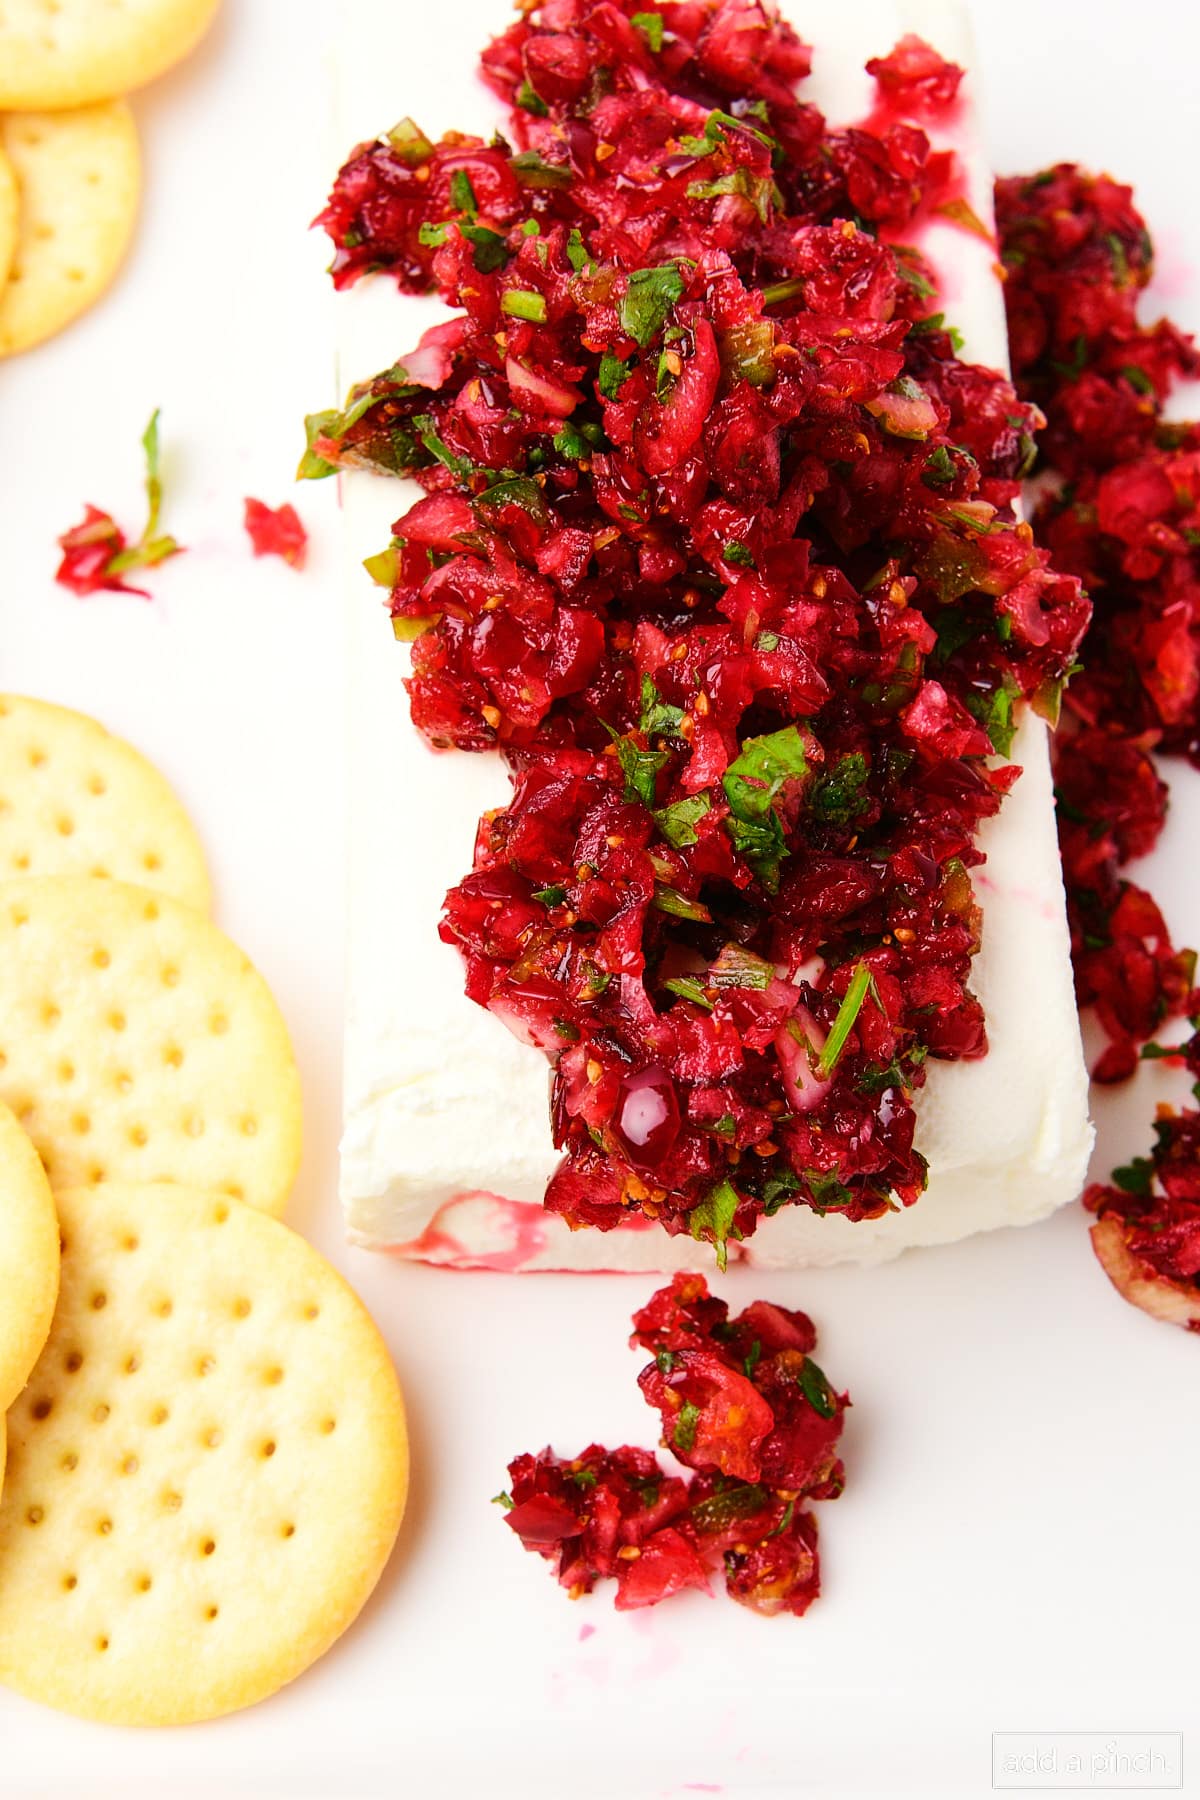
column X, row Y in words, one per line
column 1122, row 512
column 755, row 1424
column 718, row 548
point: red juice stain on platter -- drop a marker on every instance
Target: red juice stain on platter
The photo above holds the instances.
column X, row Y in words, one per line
column 438, row 1243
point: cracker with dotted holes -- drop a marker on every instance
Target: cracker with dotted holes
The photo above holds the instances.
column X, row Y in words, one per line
column 138, row 1043
column 28, row 1257
column 207, row 1470
column 74, row 800
column 8, row 216
column 57, row 53
column 79, row 180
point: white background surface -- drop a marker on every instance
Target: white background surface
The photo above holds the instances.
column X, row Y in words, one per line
column 1016, row 1548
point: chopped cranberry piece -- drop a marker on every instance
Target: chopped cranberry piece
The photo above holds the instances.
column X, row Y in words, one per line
column 647, row 1117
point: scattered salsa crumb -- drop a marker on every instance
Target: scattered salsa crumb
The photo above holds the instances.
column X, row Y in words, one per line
column 756, row 1423
column 915, row 77
column 276, row 531
column 96, row 553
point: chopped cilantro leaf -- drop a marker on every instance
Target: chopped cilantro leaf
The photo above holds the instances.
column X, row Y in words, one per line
column 738, row 1500
column 828, row 1193
column 778, row 1190
column 314, row 467
column 462, row 194
column 995, row 713
column 665, row 1361
column 550, row 896
column 716, row 124
column 817, row 1391
column 432, row 236
column 713, row 1219
column 613, row 375
column 1138, row 379
column 762, row 843
column 841, row 797
column 639, row 767
column 457, row 465
column 686, row 1420
column 651, row 27
column 648, row 299
column 920, row 284
column 570, row 442
column 1136, row 1177
column 678, row 821
column 758, row 773
column 940, row 468
column 577, row 254
column 789, row 1512
column 531, row 101
column 490, row 250
column 596, row 980
column 657, row 715
column 533, row 171
column 751, row 783
column 751, row 1360
column 738, row 554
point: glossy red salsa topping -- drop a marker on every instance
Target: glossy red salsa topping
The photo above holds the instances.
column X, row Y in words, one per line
column 717, row 547
column 1124, row 515
column 750, row 1414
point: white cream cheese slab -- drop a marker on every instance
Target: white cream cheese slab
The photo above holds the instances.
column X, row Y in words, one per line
column 446, row 1147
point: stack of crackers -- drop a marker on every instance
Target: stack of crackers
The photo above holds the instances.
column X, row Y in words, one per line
column 207, row 1460
column 69, row 164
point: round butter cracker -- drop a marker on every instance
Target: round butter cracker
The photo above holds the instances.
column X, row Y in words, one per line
column 8, row 216
column 28, row 1258
column 137, row 1042
column 79, row 182
column 207, row 1471
column 56, row 53
column 75, row 800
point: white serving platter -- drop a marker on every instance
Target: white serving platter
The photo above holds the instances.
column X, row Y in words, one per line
column 1016, row 1548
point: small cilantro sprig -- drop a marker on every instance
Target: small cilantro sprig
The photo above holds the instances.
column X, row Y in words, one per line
column 96, row 553
column 712, row 1220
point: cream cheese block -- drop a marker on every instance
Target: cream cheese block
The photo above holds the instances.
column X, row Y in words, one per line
column 446, row 1148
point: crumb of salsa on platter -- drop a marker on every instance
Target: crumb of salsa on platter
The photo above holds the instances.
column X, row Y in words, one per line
column 276, row 531
column 97, row 554
column 756, row 1425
